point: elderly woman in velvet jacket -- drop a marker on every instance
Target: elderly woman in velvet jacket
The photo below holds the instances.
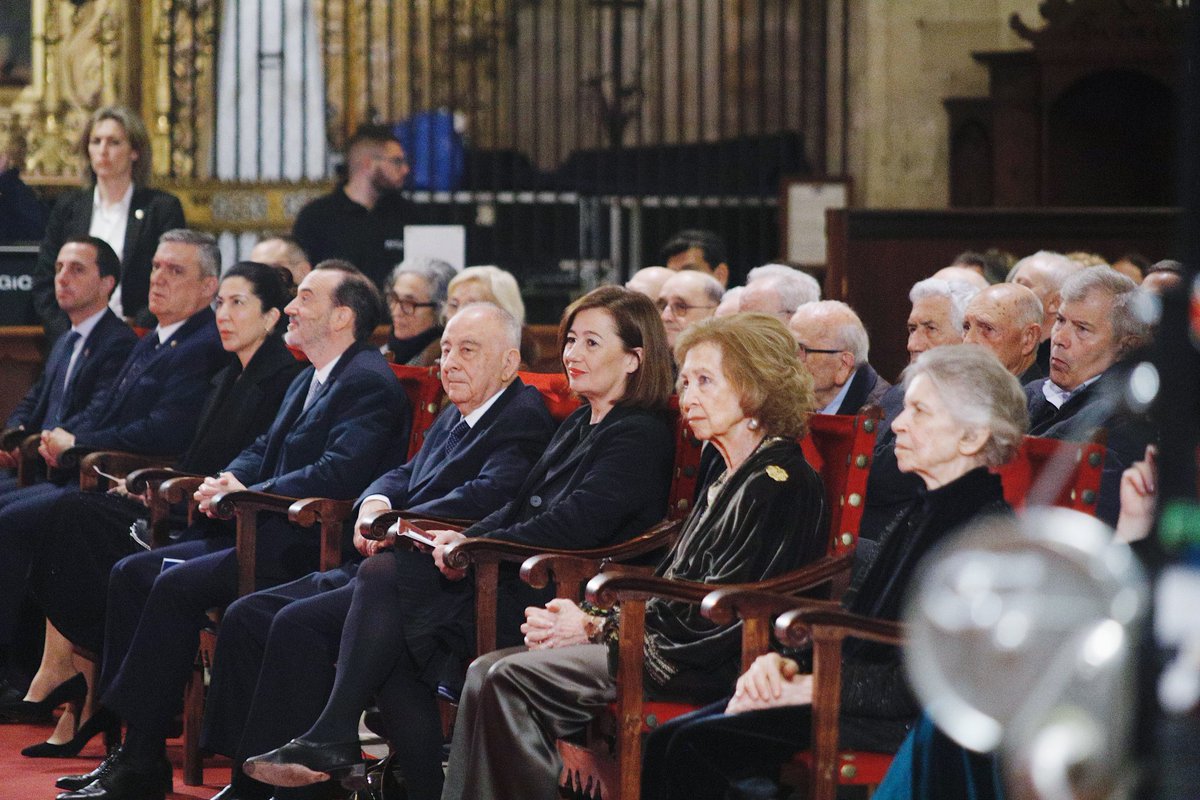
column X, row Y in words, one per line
column 963, row 413
column 742, row 390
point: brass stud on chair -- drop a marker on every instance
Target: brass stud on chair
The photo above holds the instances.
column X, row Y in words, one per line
column 860, row 461
column 855, row 500
column 682, row 505
column 869, row 425
column 849, row 771
column 847, row 538
column 1089, row 496
column 1094, row 459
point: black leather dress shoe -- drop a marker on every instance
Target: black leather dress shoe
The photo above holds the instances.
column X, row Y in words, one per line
column 125, row 780
column 300, row 763
column 73, row 782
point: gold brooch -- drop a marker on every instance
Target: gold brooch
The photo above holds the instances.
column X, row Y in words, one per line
column 777, row 473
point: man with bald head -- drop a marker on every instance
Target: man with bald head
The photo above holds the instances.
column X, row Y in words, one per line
column 966, row 275
column 1007, row 319
column 686, row 298
column 283, row 251
column 779, row 290
column 649, row 281
column 1045, row 272
column 833, row 344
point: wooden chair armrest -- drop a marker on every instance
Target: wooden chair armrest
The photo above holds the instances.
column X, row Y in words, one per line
column 139, row 481
column 479, row 550
column 226, row 504
column 179, row 489
column 113, row 462
column 13, row 437
column 72, row 456
column 620, row 583
column 726, row 606
column 540, row 570
column 317, row 510
column 29, row 459
column 793, row 628
column 379, row 523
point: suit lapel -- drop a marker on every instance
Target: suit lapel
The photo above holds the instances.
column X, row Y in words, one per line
column 571, row 441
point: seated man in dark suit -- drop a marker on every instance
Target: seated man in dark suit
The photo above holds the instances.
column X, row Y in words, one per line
column 471, row 463
column 833, row 344
column 150, row 407
column 84, row 361
column 343, row 420
column 1095, row 327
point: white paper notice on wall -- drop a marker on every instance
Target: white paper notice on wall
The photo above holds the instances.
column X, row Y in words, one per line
column 445, row 242
column 806, row 205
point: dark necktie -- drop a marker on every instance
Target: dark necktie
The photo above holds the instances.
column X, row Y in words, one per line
column 457, row 434
column 58, row 381
column 137, row 362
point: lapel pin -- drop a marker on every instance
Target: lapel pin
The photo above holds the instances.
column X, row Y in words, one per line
column 139, row 214
column 173, row 343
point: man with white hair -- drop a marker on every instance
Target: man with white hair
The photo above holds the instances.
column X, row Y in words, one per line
column 1044, row 272
column 1007, row 319
column 966, row 275
column 833, row 344
column 1097, row 324
column 937, row 314
column 731, row 302
column 779, row 290
column 686, row 298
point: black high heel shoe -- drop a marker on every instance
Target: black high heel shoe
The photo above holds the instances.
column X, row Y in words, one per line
column 102, row 721
column 73, row 691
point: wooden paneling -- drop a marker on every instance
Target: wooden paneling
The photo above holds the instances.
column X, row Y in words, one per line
column 20, row 363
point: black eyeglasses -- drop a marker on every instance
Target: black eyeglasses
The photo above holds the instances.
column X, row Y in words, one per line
column 407, row 307
column 804, row 350
column 678, row 307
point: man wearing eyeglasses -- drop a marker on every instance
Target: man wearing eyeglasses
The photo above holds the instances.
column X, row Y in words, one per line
column 686, row 298
column 361, row 221
column 833, row 344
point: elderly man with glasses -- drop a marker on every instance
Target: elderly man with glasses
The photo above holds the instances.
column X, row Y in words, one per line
column 832, row 343
column 686, row 298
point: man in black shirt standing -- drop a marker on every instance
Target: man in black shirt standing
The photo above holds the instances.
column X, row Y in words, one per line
column 361, row 221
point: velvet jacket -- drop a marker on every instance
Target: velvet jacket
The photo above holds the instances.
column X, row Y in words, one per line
column 768, row 517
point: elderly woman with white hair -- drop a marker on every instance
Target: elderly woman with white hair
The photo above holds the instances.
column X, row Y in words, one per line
column 416, row 299
column 963, row 413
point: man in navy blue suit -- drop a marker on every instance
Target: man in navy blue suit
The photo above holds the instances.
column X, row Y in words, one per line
column 84, row 361
column 472, row 462
column 151, row 406
column 344, row 420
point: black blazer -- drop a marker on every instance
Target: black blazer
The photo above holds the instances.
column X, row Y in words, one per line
column 240, row 406
column 356, row 428
column 151, row 214
column 592, row 486
column 104, row 352
column 484, row 471
column 1099, row 405
column 153, row 404
column 867, row 388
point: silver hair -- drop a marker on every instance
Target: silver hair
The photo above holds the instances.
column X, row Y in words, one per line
column 206, row 246
column 436, row 273
column 1056, row 266
column 850, row 335
column 713, row 290
column 959, row 294
column 979, row 393
column 1130, row 327
column 510, row 324
column 795, row 288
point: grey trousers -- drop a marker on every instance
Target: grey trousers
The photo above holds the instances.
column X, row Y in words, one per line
column 515, row 704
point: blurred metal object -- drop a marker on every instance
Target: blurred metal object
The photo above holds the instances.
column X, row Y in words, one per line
column 1022, row 638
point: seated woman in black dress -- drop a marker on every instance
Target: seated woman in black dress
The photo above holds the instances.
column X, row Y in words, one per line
column 603, row 478
column 743, row 391
column 963, row 412
column 90, row 531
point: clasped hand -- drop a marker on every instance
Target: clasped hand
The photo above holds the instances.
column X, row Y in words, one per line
column 54, row 443
column 771, row 681
column 442, row 540
column 222, row 484
column 560, row 624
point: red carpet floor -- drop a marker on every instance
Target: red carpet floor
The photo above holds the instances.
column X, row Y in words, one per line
column 33, row 778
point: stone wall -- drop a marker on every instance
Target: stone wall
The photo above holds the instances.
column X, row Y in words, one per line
column 906, row 57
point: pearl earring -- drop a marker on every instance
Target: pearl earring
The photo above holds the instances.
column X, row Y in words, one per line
column 752, row 424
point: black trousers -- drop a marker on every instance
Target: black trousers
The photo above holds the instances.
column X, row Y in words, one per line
column 274, row 665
